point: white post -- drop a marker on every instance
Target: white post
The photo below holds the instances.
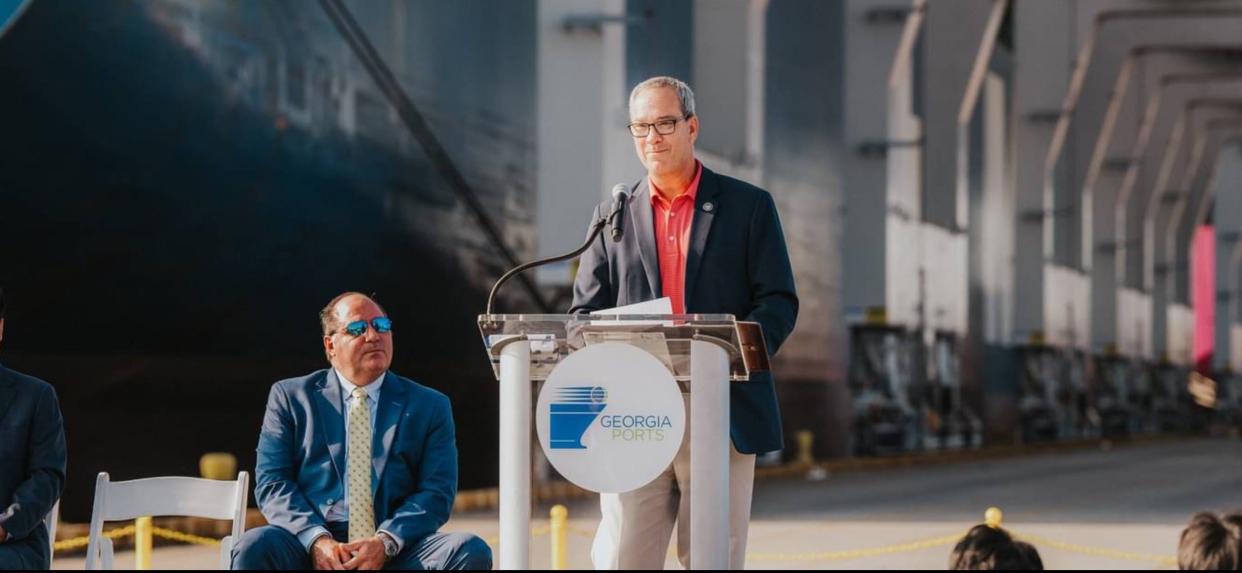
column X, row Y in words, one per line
column 515, row 419
column 709, row 456
column 583, row 146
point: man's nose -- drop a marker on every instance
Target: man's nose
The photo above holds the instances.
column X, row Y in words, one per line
column 653, row 136
column 372, row 335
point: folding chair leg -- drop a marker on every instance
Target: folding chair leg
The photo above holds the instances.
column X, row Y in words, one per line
column 226, row 553
column 105, row 547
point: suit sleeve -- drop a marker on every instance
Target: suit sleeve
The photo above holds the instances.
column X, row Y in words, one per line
column 276, row 487
column 593, row 289
column 45, row 472
column 428, row 508
column 774, row 301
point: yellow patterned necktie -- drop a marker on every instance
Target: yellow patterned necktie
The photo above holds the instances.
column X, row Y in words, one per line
column 361, row 507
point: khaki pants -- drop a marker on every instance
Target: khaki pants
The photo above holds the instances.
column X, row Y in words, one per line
column 636, row 526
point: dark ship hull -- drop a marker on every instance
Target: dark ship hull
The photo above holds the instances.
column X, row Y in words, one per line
column 169, row 227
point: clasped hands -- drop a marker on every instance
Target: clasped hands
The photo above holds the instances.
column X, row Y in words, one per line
column 362, row 555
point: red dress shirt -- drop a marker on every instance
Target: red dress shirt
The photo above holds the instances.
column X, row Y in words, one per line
column 672, row 232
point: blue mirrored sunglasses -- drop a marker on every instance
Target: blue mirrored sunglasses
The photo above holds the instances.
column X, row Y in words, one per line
column 382, row 325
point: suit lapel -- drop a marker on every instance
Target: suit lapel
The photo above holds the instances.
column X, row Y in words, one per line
column 387, row 416
column 705, row 208
column 332, row 421
column 644, row 230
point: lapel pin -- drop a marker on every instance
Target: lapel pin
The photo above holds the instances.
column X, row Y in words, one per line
column 708, row 207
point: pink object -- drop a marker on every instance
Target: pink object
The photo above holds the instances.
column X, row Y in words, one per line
column 1203, row 296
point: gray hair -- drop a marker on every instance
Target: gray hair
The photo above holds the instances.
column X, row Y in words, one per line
column 684, row 93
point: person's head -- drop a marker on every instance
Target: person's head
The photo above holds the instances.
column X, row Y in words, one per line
column 986, row 548
column 662, row 111
column 1211, row 543
column 352, row 338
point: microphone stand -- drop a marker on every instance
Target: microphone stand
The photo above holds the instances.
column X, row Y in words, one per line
column 596, row 228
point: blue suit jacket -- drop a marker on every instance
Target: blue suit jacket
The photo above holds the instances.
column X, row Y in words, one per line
column 301, row 455
column 32, row 461
column 737, row 264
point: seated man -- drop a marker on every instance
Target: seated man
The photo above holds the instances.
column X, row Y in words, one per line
column 1211, row 543
column 986, row 548
column 357, row 467
column 32, row 465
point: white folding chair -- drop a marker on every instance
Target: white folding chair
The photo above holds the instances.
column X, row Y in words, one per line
column 52, row 520
column 165, row 496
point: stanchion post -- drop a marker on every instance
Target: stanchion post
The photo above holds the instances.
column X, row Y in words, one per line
column 993, row 517
column 218, row 465
column 559, row 518
column 806, row 443
column 142, row 544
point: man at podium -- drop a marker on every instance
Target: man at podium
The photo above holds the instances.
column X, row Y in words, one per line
column 713, row 245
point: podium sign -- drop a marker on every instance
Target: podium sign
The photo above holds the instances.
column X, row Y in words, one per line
column 584, row 403
column 610, row 417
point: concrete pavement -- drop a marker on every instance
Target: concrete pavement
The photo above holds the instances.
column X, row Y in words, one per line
column 1126, row 504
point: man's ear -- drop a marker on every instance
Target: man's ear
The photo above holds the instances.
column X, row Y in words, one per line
column 328, row 347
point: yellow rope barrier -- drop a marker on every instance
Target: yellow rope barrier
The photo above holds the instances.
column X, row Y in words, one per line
column 77, row 542
column 1096, row 551
column 128, row 530
column 992, row 517
column 184, row 537
column 857, row 553
column 580, row 531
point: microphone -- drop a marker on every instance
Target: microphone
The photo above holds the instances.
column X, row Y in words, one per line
column 620, row 196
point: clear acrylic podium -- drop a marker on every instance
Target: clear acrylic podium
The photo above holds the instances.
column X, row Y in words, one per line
column 707, row 350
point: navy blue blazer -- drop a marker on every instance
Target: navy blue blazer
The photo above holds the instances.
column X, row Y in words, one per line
column 301, row 455
column 737, row 264
column 32, row 463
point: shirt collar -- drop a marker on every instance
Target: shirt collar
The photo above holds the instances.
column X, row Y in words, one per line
column 373, row 389
column 691, row 192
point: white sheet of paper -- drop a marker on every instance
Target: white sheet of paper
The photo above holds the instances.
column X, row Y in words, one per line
column 653, row 342
column 657, row 306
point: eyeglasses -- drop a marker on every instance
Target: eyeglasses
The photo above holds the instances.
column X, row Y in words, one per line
column 662, row 127
column 381, row 324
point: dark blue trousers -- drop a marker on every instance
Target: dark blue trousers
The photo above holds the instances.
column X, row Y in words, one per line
column 30, row 552
column 270, row 547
